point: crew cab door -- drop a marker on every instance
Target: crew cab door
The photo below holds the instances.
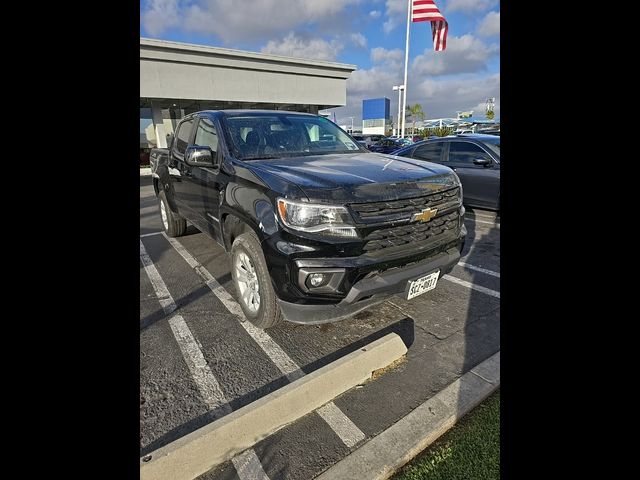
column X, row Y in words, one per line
column 204, row 183
column 178, row 168
column 480, row 183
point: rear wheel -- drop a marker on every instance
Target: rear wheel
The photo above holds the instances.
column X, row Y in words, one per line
column 253, row 282
column 173, row 225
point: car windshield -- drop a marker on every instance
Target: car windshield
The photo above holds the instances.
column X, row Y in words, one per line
column 493, row 145
column 274, row 135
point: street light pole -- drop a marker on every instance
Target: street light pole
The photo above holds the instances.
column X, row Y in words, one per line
column 399, row 88
column 351, row 125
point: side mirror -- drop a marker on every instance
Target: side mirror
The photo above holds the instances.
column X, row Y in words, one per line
column 199, row 156
column 485, row 162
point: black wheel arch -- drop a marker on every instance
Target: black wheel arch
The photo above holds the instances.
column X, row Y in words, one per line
column 233, row 225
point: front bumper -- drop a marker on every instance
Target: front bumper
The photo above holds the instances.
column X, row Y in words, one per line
column 372, row 290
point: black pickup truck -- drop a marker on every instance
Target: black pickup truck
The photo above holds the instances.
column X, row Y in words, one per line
column 318, row 227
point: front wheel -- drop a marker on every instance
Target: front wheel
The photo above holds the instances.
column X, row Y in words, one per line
column 253, row 283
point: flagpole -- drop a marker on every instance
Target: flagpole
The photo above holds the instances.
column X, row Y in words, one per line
column 406, row 66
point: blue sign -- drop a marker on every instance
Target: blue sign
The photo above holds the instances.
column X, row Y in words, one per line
column 376, row 108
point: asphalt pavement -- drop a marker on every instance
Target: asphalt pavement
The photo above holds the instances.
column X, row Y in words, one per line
column 206, row 363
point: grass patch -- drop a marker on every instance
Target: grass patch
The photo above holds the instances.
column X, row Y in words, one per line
column 469, row 451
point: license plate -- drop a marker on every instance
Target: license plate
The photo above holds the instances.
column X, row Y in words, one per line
column 422, row 285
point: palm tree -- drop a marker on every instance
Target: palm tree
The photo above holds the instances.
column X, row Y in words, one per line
column 415, row 111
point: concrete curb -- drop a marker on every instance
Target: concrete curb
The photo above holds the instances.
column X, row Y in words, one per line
column 145, row 172
column 384, row 454
column 199, row 451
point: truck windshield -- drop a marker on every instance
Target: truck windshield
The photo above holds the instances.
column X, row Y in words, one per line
column 255, row 136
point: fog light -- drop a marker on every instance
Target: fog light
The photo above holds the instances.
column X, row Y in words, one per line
column 316, row 279
column 320, row 280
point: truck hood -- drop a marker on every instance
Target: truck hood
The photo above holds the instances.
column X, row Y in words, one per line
column 358, row 177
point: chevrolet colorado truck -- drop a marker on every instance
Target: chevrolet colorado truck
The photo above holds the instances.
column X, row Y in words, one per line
column 318, row 228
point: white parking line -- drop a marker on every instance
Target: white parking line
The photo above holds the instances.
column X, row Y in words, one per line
column 150, row 234
column 270, row 347
column 479, row 269
column 482, row 221
column 207, row 384
column 159, row 287
column 248, row 466
column 202, row 375
column 481, row 215
column 472, row 286
column 348, row 432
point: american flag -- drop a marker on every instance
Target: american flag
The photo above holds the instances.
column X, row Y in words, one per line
column 426, row 11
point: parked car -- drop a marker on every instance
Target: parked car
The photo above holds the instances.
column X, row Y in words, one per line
column 389, row 145
column 317, row 227
column 475, row 159
column 360, row 139
column 367, row 140
column 490, row 131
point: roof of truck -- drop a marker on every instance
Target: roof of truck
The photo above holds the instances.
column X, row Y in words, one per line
column 250, row 111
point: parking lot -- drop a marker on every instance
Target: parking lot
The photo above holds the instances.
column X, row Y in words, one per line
column 199, row 362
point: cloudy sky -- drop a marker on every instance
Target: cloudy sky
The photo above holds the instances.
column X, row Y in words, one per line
column 367, row 33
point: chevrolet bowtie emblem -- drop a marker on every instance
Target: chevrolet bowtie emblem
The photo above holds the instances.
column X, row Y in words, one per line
column 425, row 215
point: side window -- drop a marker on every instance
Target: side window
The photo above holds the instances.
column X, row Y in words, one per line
column 465, row 152
column 206, row 135
column 182, row 137
column 431, row 152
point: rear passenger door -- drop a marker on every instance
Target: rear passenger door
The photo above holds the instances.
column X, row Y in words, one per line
column 480, row 184
column 179, row 169
column 205, row 183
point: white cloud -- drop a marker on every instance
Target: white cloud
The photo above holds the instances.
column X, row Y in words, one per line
column 396, row 14
column 391, row 58
column 359, row 40
column 442, row 98
column 376, row 79
column 375, row 13
column 465, row 54
column 231, row 20
column 439, row 97
column 295, row 46
column 468, row 6
column 490, row 25
column 160, row 15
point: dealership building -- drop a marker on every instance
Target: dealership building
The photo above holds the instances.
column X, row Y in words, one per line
column 178, row 78
column 376, row 116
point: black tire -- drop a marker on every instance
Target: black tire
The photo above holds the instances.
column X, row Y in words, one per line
column 268, row 313
column 175, row 226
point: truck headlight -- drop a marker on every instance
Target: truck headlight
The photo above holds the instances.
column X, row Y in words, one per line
column 459, row 183
column 314, row 218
